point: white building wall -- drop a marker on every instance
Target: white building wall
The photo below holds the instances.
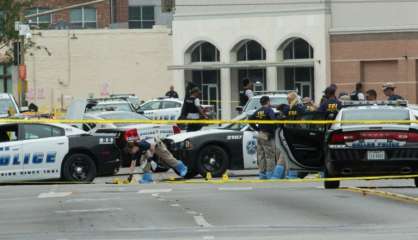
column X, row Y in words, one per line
column 98, row 62
column 225, row 28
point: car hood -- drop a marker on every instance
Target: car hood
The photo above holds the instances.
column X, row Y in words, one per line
column 183, row 136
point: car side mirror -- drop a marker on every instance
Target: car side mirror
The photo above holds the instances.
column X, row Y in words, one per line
column 239, row 109
column 140, row 111
column 24, row 109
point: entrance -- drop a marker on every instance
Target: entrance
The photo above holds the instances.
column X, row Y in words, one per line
column 301, row 79
column 256, row 76
column 209, row 83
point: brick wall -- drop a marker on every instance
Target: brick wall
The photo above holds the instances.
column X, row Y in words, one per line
column 375, row 59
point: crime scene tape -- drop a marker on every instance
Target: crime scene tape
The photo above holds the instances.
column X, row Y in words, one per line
column 206, row 122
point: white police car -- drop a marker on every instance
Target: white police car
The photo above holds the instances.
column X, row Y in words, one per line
column 34, row 151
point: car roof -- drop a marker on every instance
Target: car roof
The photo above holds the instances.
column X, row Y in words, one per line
column 368, row 107
column 270, row 95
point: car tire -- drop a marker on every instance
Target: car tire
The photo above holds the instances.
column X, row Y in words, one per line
column 79, row 167
column 213, row 159
column 330, row 184
column 416, row 182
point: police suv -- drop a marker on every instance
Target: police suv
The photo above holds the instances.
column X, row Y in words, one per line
column 52, row 151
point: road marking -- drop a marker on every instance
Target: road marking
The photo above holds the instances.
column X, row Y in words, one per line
column 175, row 205
column 96, row 210
column 90, row 200
column 235, row 188
column 54, row 194
column 192, row 212
column 152, row 191
column 201, row 221
column 389, row 195
column 208, row 237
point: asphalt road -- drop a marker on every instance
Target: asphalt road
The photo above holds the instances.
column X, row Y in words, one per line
column 210, row 211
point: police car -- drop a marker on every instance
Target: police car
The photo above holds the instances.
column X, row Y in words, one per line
column 52, row 151
column 276, row 97
column 232, row 146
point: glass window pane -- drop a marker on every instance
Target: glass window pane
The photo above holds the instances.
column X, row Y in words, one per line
column 9, row 86
column 148, row 24
column 196, row 54
column 255, row 51
column 90, row 25
column 89, row 14
column 134, row 13
column 75, row 15
column 2, row 69
column 76, row 25
column 1, row 85
column 148, row 13
column 301, row 49
column 31, row 11
column 9, row 70
column 134, row 24
column 288, row 52
column 242, row 53
column 44, row 18
column 208, row 52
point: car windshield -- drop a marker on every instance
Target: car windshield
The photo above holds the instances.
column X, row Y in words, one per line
column 123, row 116
column 374, row 114
column 6, row 106
column 124, row 107
column 235, row 126
column 254, row 103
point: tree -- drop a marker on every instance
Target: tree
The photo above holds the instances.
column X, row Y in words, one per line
column 10, row 12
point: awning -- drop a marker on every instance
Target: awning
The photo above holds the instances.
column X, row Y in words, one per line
column 247, row 64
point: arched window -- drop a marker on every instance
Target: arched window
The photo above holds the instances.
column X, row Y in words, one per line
column 297, row 48
column 251, row 51
column 205, row 52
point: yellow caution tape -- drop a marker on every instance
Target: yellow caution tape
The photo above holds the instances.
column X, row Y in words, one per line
column 207, row 122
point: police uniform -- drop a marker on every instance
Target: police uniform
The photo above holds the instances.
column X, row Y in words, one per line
column 191, row 111
column 295, row 110
column 331, row 105
column 172, row 94
column 266, row 154
column 244, row 96
column 395, row 98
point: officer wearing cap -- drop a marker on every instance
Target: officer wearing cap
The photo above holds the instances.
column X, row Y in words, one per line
column 144, row 150
column 389, row 91
column 331, row 104
column 193, row 110
column 266, row 151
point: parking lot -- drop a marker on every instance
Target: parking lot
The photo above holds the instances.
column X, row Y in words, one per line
column 210, row 211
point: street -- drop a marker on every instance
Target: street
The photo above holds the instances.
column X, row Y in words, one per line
column 209, row 211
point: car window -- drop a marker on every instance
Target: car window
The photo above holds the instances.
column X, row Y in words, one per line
column 309, row 116
column 254, row 103
column 171, row 104
column 375, row 115
column 123, row 116
column 151, row 106
column 7, row 106
column 37, row 131
column 9, row 133
column 124, row 107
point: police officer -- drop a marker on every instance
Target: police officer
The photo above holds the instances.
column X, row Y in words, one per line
column 331, row 104
column 389, row 91
column 246, row 93
column 145, row 150
column 296, row 106
column 193, row 110
column 172, row 93
column 266, row 150
column 357, row 95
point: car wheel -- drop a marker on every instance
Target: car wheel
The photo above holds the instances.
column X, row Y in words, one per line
column 416, row 182
column 79, row 167
column 213, row 159
column 330, row 184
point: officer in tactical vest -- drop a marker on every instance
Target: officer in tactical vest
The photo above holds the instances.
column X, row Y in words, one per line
column 193, row 110
column 246, row 93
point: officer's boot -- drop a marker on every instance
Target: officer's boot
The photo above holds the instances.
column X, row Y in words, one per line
column 146, row 178
column 292, row 174
column 278, row 172
column 181, row 169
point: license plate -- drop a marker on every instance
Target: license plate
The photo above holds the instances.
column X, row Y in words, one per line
column 376, row 155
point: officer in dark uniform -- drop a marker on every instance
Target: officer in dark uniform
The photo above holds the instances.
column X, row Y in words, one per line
column 172, row 93
column 246, row 93
column 266, row 153
column 389, row 91
column 193, row 110
column 296, row 107
column 331, row 104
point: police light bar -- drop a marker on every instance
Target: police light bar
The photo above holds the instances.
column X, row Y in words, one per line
column 275, row 92
column 402, row 103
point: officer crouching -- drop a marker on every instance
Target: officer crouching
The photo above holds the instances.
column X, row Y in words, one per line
column 266, row 149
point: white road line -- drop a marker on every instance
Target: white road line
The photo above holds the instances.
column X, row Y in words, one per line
column 192, row 212
column 96, row 210
column 208, row 237
column 175, row 205
column 235, row 188
column 201, row 221
column 77, row 200
column 152, row 191
column 54, row 194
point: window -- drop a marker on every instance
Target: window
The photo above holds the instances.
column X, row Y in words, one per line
column 298, row 49
column 169, row 104
column 6, row 79
column 251, row 51
column 151, row 106
column 82, row 18
column 43, row 22
column 205, row 52
column 141, row 17
column 2, row 18
column 9, row 133
column 37, row 131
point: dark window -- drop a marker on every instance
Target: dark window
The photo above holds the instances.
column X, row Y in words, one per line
column 9, row 133
column 43, row 22
column 82, row 18
column 251, row 51
column 141, row 17
column 205, row 52
column 256, row 76
column 37, row 131
column 151, row 106
column 298, row 49
column 6, row 79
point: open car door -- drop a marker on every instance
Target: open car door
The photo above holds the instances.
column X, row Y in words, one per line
column 304, row 143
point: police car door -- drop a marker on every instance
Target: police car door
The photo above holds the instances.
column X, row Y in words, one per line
column 303, row 143
column 44, row 148
column 151, row 109
column 249, row 147
column 170, row 110
column 11, row 164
